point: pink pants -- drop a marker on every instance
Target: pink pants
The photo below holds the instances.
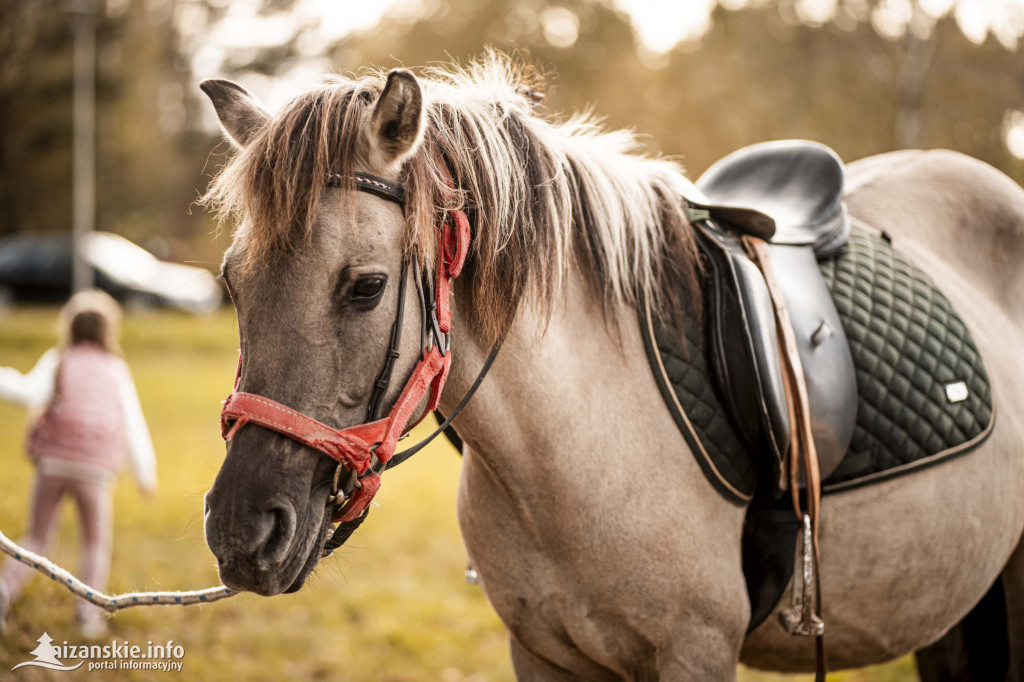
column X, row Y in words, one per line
column 93, row 500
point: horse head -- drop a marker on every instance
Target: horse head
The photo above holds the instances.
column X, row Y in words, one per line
column 316, row 274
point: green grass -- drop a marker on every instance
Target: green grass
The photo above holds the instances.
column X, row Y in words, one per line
column 391, row 605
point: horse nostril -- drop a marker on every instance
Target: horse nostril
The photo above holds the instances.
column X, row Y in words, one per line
column 280, row 529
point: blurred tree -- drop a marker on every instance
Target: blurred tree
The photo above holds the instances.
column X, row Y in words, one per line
column 148, row 149
column 865, row 76
column 35, row 115
column 766, row 71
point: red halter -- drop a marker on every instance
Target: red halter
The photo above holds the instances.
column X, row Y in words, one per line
column 366, row 448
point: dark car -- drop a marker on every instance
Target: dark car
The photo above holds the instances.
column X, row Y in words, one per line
column 37, row 268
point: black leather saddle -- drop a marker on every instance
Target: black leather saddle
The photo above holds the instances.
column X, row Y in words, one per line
column 799, row 184
column 789, row 194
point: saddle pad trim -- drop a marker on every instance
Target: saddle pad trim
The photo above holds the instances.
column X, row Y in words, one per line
column 711, row 472
column 910, row 467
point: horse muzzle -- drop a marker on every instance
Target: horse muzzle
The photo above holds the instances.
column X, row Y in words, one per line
column 261, row 549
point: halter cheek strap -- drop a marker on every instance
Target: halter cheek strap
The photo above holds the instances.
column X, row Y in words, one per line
column 365, row 449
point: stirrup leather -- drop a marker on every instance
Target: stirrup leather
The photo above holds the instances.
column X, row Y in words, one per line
column 804, row 614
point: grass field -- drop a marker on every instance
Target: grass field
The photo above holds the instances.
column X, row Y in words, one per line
column 391, row 605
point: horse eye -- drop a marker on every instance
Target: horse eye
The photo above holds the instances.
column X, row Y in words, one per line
column 368, row 288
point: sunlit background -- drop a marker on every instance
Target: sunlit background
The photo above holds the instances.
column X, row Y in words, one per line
column 697, row 79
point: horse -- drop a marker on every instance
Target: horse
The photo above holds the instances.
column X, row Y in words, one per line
column 597, row 540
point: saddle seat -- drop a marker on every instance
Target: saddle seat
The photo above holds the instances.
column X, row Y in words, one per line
column 799, row 184
column 788, row 193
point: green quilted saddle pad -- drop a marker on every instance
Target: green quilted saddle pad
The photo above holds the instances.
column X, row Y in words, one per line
column 923, row 394
column 682, row 370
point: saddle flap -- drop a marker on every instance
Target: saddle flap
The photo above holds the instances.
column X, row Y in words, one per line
column 743, row 344
column 824, row 352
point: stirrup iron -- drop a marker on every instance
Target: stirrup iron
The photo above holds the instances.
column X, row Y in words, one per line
column 799, row 618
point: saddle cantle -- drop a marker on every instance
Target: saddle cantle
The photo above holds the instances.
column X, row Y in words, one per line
column 798, row 187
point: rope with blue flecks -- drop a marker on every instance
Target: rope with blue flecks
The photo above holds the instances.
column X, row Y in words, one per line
column 112, row 603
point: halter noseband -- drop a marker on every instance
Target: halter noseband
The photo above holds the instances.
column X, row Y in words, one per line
column 365, row 450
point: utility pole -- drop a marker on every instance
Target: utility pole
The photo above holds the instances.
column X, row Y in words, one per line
column 919, row 42
column 83, row 15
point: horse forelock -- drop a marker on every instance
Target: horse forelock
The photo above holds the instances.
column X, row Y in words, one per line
column 273, row 185
column 543, row 195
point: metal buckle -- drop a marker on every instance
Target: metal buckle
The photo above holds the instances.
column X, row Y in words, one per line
column 337, row 496
column 376, row 466
column 324, row 552
column 332, row 499
column 440, row 338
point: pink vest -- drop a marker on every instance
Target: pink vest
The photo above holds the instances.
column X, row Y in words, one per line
column 85, row 420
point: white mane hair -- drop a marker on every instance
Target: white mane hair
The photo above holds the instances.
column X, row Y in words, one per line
column 543, row 196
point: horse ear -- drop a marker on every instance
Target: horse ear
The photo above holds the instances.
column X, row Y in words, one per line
column 241, row 114
column 397, row 120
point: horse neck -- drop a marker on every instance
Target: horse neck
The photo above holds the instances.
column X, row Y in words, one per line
column 569, row 441
column 542, row 364
column 567, row 404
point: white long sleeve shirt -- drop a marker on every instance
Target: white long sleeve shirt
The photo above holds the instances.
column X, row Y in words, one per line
column 35, row 391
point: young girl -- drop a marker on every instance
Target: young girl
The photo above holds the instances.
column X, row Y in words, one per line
column 88, row 416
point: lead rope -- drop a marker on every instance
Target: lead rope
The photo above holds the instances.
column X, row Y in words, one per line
column 111, row 603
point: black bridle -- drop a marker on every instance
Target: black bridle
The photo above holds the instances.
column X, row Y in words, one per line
column 430, row 334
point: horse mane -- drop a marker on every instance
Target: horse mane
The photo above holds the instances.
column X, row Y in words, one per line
column 544, row 197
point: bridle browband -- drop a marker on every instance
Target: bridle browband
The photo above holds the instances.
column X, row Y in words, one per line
column 366, row 450
column 385, row 189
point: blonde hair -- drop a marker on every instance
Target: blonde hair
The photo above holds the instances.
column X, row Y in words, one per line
column 94, row 302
